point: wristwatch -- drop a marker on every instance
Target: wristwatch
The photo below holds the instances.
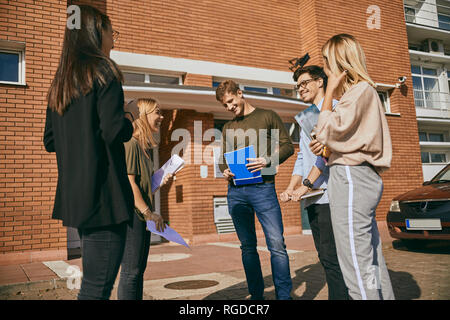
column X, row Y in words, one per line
column 308, row 183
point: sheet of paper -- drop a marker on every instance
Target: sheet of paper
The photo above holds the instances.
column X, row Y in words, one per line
column 168, row 233
column 174, row 165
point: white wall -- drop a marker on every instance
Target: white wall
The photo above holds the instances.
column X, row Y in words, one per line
column 430, row 170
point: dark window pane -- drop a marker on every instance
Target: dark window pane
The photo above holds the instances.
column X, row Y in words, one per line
column 218, row 124
column 133, row 77
column 429, row 72
column 425, row 157
column 437, row 157
column 256, row 89
column 283, row 92
column 215, row 84
column 293, row 130
column 444, row 22
column 436, row 137
column 415, row 69
column 164, row 79
column 417, row 83
column 9, row 67
column 423, row 136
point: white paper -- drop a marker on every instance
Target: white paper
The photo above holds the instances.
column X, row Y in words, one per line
column 168, row 233
column 172, row 166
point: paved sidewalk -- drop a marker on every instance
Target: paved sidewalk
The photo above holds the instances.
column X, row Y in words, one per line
column 214, row 271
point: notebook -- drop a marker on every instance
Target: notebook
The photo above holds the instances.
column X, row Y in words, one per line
column 236, row 161
column 312, row 193
column 174, row 165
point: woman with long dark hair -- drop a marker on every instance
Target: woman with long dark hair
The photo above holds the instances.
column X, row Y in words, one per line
column 86, row 126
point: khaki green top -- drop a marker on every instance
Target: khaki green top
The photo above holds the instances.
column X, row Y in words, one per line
column 263, row 129
column 142, row 167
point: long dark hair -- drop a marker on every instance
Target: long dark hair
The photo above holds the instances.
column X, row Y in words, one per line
column 82, row 61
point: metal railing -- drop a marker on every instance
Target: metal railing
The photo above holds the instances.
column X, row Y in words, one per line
column 432, row 100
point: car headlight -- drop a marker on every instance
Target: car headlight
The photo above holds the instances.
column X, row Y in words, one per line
column 395, row 206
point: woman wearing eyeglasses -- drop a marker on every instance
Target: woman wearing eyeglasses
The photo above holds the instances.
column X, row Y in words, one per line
column 86, row 127
column 357, row 134
column 140, row 170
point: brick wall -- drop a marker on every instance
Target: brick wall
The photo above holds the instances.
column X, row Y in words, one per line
column 263, row 34
column 27, row 173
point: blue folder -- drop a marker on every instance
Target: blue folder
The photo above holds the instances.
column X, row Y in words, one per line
column 236, row 161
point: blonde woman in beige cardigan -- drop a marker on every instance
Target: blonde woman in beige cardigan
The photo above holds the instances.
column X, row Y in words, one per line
column 357, row 135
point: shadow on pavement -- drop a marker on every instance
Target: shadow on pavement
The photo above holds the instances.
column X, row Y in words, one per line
column 404, row 285
column 312, row 277
column 310, row 280
column 423, row 246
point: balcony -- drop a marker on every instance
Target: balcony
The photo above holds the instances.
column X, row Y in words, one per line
column 428, row 19
column 430, row 13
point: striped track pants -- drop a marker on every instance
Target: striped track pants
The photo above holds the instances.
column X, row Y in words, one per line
column 354, row 193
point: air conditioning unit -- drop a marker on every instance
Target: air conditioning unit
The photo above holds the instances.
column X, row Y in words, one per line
column 433, row 46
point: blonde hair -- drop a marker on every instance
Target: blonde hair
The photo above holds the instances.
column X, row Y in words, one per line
column 142, row 131
column 344, row 52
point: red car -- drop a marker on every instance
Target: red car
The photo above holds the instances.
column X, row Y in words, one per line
column 422, row 213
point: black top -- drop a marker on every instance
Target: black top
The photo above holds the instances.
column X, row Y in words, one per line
column 93, row 189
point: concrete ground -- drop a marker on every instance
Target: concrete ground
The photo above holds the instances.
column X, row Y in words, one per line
column 213, row 271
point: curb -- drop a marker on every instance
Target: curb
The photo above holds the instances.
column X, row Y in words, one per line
column 51, row 284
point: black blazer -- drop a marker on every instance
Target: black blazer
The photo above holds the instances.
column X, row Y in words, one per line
column 93, row 189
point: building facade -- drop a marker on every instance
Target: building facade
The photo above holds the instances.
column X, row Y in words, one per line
column 428, row 29
column 177, row 52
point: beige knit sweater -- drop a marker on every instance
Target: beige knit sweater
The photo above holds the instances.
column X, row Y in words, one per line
column 357, row 130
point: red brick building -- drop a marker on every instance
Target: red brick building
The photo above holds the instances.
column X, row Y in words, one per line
column 177, row 51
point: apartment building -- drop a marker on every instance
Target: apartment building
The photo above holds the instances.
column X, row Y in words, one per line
column 178, row 52
column 428, row 29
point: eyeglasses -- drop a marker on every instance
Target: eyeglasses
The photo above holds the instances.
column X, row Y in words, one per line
column 115, row 35
column 304, row 83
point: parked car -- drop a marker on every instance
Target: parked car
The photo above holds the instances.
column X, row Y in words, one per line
column 423, row 213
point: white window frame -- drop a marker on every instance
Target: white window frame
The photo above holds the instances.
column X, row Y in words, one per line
column 387, row 106
column 21, row 64
column 147, row 75
column 437, row 77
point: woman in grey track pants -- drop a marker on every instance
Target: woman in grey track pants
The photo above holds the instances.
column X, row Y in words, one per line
column 357, row 135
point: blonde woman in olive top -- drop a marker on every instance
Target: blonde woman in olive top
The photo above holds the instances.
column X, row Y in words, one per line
column 140, row 169
column 357, row 134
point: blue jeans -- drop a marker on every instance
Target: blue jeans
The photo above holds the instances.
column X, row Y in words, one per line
column 102, row 250
column 243, row 202
column 134, row 261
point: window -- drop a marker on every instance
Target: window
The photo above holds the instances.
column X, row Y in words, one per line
column 423, row 136
column 431, row 137
column 12, row 62
column 437, row 157
column 255, row 89
column 432, row 157
column 425, row 157
column 293, row 131
column 290, row 93
column 444, row 21
column 218, row 124
column 281, row 92
column 448, row 79
column 164, row 79
column 131, row 77
column 410, row 14
column 426, row 87
column 384, row 98
column 436, row 137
